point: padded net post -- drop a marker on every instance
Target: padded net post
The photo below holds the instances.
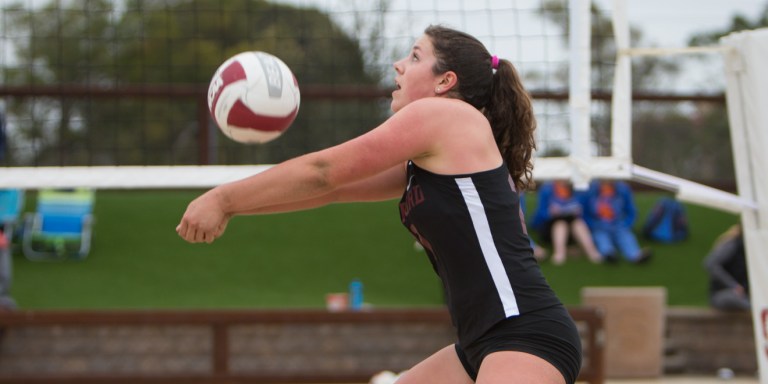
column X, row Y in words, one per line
column 746, row 63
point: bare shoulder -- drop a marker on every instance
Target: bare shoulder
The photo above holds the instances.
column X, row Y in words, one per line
column 442, row 106
column 442, row 113
column 454, row 136
column 425, row 128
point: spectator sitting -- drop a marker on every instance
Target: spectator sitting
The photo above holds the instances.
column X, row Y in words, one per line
column 726, row 265
column 559, row 217
column 610, row 214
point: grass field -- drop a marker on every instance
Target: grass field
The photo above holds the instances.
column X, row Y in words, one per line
column 293, row 260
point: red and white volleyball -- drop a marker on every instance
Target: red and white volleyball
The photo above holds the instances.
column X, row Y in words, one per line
column 253, row 97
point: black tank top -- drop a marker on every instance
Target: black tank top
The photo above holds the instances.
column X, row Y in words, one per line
column 473, row 232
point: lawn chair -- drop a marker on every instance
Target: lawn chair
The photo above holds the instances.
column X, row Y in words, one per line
column 61, row 227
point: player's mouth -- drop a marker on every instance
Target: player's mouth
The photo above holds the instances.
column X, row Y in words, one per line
column 397, row 87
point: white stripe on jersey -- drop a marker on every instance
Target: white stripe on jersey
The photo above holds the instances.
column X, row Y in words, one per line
column 490, row 253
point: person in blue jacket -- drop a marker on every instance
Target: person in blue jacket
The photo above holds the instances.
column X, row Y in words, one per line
column 559, row 218
column 610, row 214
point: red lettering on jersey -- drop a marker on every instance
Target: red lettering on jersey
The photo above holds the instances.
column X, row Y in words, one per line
column 413, row 197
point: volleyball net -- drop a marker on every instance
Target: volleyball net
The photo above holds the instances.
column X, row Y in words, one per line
column 99, row 115
column 94, row 125
column 106, row 118
column 102, row 133
column 110, row 97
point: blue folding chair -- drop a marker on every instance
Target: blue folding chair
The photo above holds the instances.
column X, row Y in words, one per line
column 61, row 227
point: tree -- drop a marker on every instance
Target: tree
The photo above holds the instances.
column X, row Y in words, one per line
column 70, row 57
column 711, row 158
column 184, row 41
column 167, row 42
column 738, row 23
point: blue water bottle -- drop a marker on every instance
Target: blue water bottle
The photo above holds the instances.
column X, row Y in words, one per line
column 356, row 295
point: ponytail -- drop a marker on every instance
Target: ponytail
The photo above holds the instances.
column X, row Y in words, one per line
column 510, row 112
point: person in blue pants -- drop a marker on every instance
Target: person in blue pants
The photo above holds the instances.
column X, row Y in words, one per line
column 610, row 213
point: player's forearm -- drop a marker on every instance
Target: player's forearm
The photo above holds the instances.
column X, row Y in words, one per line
column 289, row 183
column 292, row 207
column 385, row 186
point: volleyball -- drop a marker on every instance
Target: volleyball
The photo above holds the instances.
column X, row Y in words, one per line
column 253, row 97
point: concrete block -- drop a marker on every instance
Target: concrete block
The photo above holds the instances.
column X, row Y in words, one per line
column 634, row 329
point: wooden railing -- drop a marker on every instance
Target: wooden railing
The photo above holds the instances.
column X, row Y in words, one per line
column 220, row 324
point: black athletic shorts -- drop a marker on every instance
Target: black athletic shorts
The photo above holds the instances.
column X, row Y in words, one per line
column 546, row 231
column 549, row 333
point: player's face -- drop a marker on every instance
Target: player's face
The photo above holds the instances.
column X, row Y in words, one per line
column 414, row 79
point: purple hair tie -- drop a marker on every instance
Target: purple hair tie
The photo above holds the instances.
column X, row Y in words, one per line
column 494, row 62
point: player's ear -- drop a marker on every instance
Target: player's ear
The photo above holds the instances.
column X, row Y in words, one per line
column 448, row 81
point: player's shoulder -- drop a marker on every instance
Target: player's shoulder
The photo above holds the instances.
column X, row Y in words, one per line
column 442, row 111
column 441, row 103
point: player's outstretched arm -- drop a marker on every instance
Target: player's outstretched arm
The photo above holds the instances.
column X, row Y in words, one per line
column 305, row 180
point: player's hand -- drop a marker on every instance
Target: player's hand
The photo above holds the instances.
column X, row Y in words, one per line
column 204, row 220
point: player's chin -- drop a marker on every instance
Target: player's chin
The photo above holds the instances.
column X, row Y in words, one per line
column 395, row 105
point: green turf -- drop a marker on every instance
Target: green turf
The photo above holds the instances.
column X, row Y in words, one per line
column 293, row 260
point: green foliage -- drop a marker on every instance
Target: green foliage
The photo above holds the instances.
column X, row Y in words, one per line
column 173, row 41
column 92, row 43
column 698, row 147
column 64, row 45
column 293, row 260
column 711, row 157
column 739, row 22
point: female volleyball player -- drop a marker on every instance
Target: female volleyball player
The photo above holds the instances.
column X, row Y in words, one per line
column 459, row 145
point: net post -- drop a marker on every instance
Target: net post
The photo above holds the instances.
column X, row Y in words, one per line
column 746, row 95
column 621, row 105
column 580, row 97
